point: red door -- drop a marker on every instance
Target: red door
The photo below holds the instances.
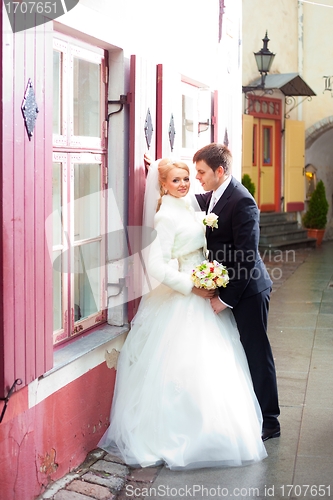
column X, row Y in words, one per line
column 266, row 157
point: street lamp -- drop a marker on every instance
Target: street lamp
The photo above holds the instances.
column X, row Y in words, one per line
column 264, row 58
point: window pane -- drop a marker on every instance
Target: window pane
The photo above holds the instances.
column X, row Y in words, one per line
column 87, row 280
column 87, row 105
column 57, row 204
column 57, row 291
column 87, row 200
column 57, row 92
column 267, row 146
column 187, row 127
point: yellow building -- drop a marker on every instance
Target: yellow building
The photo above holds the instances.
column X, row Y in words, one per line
column 288, row 118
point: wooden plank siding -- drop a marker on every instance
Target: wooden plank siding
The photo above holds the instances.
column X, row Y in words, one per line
column 169, row 103
column 142, row 97
column 26, row 349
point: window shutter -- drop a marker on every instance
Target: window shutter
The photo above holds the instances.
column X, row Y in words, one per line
column 294, row 191
column 169, row 113
column 26, row 350
column 142, row 139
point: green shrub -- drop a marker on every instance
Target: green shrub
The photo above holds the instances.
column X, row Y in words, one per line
column 247, row 182
column 316, row 215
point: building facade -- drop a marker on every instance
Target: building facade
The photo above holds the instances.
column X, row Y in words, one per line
column 85, row 95
column 288, row 125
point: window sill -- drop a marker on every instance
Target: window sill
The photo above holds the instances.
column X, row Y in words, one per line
column 83, row 345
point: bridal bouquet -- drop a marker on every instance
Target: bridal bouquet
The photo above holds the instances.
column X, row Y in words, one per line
column 210, row 275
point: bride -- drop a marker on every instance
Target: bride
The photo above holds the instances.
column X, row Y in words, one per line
column 183, row 393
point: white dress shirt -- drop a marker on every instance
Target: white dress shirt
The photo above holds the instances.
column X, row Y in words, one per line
column 218, row 193
column 214, row 199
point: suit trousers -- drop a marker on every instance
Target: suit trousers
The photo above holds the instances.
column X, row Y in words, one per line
column 251, row 315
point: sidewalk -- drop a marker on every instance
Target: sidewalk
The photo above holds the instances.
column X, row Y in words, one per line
column 300, row 462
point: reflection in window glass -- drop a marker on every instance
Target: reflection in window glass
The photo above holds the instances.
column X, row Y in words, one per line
column 87, row 200
column 57, row 203
column 267, row 145
column 57, row 240
column 56, row 92
column 187, row 122
column 87, row 276
column 57, row 287
column 87, row 105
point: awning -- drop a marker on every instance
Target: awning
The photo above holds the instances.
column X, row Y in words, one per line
column 290, row 84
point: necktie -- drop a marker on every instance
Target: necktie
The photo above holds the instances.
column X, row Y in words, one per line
column 212, row 203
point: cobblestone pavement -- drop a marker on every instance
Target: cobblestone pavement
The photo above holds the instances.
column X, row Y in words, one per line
column 281, row 264
column 102, row 477
column 105, row 477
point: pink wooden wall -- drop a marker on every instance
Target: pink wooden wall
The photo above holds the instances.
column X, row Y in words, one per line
column 26, row 200
column 42, row 444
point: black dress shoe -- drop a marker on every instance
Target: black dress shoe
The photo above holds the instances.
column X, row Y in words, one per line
column 270, row 433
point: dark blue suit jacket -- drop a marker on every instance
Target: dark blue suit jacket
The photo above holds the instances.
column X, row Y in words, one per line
column 235, row 242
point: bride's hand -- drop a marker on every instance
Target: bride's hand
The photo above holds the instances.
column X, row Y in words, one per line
column 202, row 292
column 147, row 161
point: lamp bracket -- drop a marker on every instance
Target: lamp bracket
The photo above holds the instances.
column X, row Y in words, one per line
column 251, row 89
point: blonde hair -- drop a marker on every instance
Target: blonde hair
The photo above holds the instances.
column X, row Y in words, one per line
column 164, row 167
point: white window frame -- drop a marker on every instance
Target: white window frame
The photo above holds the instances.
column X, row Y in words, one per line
column 70, row 150
column 202, row 111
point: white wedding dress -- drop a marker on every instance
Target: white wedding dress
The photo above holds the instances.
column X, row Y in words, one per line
column 183, row 392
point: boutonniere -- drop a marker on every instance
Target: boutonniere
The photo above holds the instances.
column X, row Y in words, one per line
column 211, row 220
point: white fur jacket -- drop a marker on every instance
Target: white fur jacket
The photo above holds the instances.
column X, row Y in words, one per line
column 180, row 231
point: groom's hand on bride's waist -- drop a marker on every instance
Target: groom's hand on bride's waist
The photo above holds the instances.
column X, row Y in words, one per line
column 217, row 305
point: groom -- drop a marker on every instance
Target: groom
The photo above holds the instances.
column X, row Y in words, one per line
column 235, row 244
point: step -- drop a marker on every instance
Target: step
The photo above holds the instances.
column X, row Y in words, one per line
column 272, row 217
column 283, row 236
column 286, row 245
column 275, row 227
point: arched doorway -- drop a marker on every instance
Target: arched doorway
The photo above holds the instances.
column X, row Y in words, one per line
column 319, row 153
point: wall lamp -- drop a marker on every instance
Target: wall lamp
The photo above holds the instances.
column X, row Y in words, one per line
column 264, row 58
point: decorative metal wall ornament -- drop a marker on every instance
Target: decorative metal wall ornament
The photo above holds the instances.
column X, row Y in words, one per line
column 29, row 109
column 148, row 128
column 172, row 132
column 248, row 94
column 291, row 101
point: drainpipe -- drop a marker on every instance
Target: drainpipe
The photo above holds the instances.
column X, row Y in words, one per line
column 300, row 27
column 300, row 34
